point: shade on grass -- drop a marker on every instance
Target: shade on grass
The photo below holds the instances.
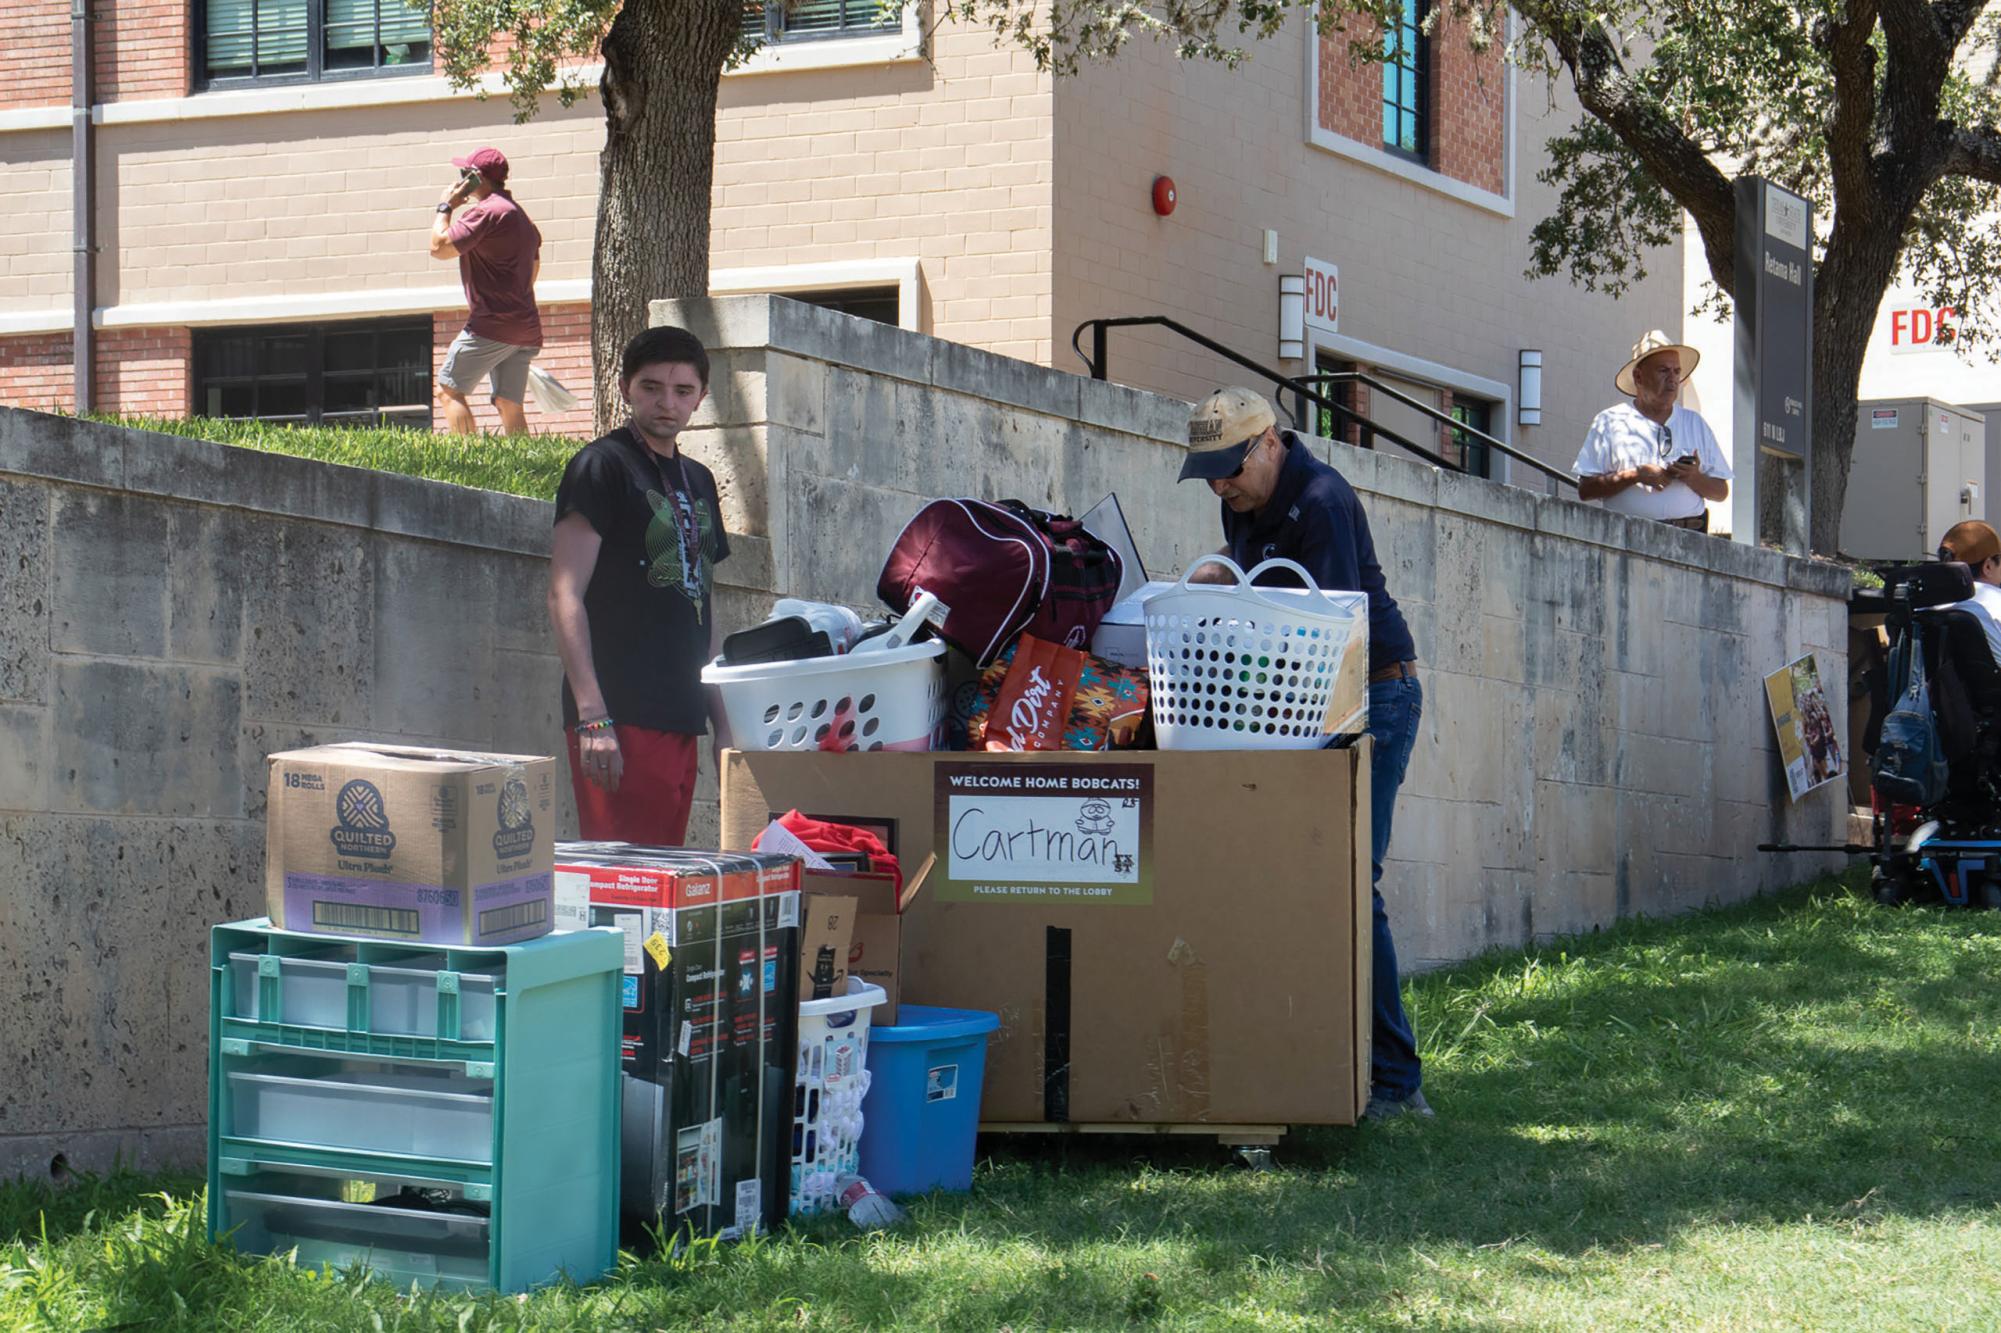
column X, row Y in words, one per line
column 1779, row 1115
column 528, row 465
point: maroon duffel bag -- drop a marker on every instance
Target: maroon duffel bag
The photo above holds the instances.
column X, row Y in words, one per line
column 988, row 567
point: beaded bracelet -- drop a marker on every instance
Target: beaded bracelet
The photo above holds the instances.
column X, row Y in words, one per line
column 595, row 725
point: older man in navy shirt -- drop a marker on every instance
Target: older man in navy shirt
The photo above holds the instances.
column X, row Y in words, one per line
column 1279, row 500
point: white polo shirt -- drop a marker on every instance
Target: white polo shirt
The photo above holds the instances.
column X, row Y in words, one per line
column 1622, row 438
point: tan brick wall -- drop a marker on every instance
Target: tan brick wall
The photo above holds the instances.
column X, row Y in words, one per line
column 35, row 372
column 35, row 257
column 34, row 53
column 327, row 202
column 1423, row 273
column 142, row 49
column 950, row 163
column 566, row 354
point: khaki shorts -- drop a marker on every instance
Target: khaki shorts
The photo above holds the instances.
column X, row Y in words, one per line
column 472, row 358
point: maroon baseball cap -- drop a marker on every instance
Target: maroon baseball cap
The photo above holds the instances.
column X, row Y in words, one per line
column 488, row 162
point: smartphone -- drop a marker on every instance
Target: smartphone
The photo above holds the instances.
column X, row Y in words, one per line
column 469, row 178
column 1685, row 458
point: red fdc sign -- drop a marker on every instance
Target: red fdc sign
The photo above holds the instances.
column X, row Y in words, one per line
column 1921, row 328
column 1323, row 296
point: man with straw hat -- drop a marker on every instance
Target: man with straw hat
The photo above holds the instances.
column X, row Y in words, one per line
column 1652, row 457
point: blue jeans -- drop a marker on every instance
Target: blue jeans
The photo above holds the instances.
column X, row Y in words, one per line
column 1395, row 709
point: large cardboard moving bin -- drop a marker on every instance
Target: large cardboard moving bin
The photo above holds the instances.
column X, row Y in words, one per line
column 1169, row 938
column 400, row 842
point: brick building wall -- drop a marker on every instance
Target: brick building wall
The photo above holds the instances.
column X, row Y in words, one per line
column 142, row 49
column 948, row 162
column 139, row 372
column 566, row 354
column 34, row 53
column 138, row 49
column 144, row 372
column 35, row 372
column 1466, row 114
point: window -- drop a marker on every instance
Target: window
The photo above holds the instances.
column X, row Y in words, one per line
column 374, row 373
column 1407, row 83
column 881, row 304
column 806, row 20
column 245, row 41
column 1463, row 450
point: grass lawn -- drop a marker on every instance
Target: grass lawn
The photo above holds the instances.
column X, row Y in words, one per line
column 528, row 465
column 1780, row 1115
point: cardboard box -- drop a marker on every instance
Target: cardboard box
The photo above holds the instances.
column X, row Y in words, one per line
column 875, row 951
column 710, row 1030
column 405, row 843
column 826, row 933
column 1169, row 938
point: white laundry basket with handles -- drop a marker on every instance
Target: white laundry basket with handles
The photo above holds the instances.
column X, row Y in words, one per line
column 1238, row 667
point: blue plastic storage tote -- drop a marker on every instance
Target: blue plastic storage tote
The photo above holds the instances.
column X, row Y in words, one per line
column 923, row 1108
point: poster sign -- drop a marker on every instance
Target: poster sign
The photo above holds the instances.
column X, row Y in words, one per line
column 1805, row 727
column 1045, row 833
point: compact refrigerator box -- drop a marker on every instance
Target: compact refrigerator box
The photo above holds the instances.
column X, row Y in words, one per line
column 1169, row 938
column 710, row 993
column 1919, row 467
column 406, row 843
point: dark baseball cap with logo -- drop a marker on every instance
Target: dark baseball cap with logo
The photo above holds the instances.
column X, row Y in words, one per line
column 1221, row 430
column 488, row 162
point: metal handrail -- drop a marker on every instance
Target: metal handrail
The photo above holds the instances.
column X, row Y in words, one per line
column 1098, row 357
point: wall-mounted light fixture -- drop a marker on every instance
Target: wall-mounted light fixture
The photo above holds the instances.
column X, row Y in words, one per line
column 1528, row 388
column 1291, row 317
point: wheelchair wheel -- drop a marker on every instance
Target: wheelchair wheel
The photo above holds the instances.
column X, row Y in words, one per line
column 1889, row 888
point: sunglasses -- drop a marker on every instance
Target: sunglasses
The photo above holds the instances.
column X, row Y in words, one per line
column 1246, row 458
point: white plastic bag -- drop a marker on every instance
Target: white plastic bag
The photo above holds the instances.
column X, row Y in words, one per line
column 550, row 395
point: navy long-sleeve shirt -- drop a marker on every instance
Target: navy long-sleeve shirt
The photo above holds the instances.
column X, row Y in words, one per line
column 1315, row 518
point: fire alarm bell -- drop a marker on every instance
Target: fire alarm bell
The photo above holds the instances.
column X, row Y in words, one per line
column 1163, row 195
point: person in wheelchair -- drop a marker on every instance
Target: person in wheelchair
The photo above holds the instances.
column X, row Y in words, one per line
column 1977, row 546
column 1958, row 606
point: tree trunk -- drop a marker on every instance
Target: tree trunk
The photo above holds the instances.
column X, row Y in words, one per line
column 663, row 64
column 1848, row 287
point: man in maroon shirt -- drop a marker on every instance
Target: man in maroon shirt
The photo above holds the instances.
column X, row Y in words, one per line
column 499, row 252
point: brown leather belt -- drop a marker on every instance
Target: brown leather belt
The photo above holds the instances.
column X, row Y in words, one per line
column 1694, row 522
column 1394, row 671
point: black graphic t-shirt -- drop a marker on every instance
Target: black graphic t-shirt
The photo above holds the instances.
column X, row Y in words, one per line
column 648, row 599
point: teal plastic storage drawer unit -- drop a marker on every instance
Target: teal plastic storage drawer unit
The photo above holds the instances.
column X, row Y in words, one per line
column 442, row 1116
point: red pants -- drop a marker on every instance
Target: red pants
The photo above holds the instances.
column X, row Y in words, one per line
column 654, row 792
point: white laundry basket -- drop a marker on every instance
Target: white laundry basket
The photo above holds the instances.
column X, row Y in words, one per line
column 1237, row 667
column 828, row 1089
column 888, row 700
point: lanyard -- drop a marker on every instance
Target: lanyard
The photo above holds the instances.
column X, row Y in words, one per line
column 681, row 498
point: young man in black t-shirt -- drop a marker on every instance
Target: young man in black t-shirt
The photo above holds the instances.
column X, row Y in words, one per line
column 639, row 532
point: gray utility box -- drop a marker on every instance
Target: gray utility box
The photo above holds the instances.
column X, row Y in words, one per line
column 1920, row 467
column 1992, row 412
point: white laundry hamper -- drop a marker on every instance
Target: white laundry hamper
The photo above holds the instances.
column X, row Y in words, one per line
column 888, row 700
column 829, row 1086
column 1237, row 667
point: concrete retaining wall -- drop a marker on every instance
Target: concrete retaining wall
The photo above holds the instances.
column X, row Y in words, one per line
column 171, row 611
column 1596, row 741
